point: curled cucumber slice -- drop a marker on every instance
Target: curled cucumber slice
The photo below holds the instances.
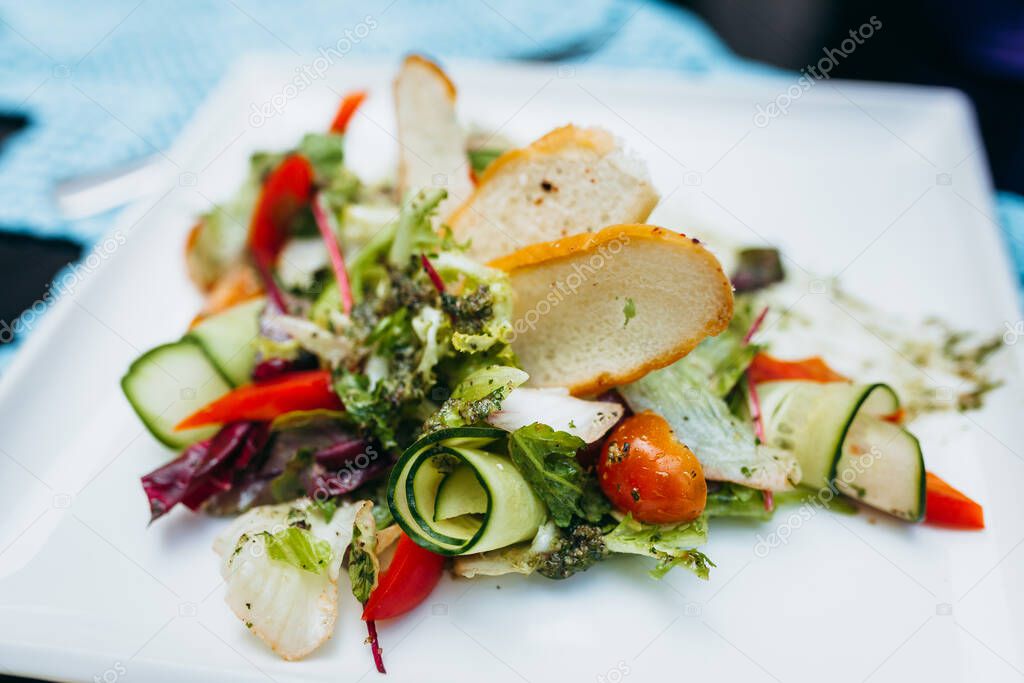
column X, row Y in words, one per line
column 453, row 496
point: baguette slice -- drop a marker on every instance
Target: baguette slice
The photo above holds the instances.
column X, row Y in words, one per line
column 574, row 324
column 431, row 143
column 565, row 183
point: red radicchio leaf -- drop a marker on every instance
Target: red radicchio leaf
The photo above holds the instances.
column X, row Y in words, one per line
column 269, row 368
column 204, row 468
column 345, row 466
column 323, row 458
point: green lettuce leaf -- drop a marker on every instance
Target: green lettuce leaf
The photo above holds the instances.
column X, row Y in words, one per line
column 547, row 460
column 694, row 560
column 397, row 242
column 367, row 406
column 325, row 152
column 726, row 499
column 476, row 397
column 673, row 545
column 482, row 315
column 415, row 234
column 363, row 567
column 719, row 362
column 299, row 548
column 724, row 444
column 481, row 158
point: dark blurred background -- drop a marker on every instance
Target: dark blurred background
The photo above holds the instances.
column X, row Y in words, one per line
column 977, row 47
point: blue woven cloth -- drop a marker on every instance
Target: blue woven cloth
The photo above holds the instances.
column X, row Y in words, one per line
column 105, row 83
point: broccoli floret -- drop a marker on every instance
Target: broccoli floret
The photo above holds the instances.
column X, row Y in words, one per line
column 577, row 551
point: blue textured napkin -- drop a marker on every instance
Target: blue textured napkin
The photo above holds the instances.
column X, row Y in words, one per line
column 106, row 83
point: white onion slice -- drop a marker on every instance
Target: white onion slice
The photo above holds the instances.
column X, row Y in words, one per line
column 589, row 420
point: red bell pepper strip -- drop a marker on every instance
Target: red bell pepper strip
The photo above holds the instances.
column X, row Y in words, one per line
column 349, row 104
column 766, row 368
column 263, row 401
column 285, row 193
column 412, row 576
column 946, row 506
column 325, row 224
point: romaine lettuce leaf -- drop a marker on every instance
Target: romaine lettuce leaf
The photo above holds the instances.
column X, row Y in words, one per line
column 719, row 362
column 280, row 565
column 299, row 548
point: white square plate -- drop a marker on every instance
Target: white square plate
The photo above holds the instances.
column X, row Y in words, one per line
column 884, row 184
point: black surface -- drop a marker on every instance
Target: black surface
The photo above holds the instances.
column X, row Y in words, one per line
column 976, row 47
column 27, row 264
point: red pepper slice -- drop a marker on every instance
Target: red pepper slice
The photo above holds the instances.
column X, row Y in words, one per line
column 946, row 506
column 766, row 368
column 286, row 192
column 412, row 576
column 263, row 401
column 349, row 104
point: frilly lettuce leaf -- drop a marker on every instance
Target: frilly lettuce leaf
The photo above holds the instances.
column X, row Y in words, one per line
column 476, row 397
column 673, row 545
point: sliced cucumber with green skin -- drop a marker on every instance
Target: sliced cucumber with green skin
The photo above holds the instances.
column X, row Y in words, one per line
column 229, row 339
column 811, row 418
column 453, row 497
column 838, row 436
column 460, row 493
column 167, row 384
column 882, row 466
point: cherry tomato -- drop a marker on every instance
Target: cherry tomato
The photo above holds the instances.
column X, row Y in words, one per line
column 645, row 471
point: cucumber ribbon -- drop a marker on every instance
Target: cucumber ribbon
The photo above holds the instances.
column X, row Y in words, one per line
column 455, row 491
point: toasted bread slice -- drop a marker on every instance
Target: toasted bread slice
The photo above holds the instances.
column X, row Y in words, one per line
column 431, row 143
column 569, row 181
column 597, row 310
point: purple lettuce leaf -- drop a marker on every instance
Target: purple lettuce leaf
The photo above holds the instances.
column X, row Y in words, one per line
column 322, row 459
column 204, row 468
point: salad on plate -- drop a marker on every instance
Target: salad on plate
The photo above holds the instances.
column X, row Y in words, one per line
column 490, row 364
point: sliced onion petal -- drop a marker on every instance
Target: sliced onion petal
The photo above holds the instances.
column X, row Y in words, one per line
column 291, row 609
column 589, row 420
